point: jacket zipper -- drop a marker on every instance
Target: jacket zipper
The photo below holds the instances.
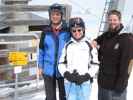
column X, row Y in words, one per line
column 56, row 39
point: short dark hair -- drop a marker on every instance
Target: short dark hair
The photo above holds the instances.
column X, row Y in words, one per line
column 114, row 12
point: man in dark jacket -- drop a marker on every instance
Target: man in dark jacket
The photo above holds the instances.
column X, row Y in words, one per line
column 114, row 57
column 51, row 44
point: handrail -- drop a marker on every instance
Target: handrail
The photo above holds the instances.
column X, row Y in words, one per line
column 35, row 36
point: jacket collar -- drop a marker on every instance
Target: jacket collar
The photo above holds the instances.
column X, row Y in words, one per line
column 109, row 34
column 82, row 40
column 124, row 30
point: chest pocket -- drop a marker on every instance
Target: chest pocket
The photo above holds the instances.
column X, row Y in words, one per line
column 116, row 46
column 110, row 47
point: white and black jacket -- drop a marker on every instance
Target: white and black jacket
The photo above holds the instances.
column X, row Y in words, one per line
column 79, row 56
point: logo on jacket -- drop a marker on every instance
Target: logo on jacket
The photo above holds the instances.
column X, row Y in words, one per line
column 116, row 46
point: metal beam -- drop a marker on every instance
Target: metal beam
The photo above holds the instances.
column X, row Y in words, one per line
column 14, row 1
column 31, row 19
column 117, row 4
column 14, row 8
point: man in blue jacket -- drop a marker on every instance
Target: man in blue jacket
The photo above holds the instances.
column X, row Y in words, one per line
column 52, row 41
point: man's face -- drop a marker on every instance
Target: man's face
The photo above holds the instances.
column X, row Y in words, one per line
column 114, row 22
column 55, row 17
column 77, row 32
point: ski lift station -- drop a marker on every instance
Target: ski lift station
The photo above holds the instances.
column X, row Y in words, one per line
column 21, row 23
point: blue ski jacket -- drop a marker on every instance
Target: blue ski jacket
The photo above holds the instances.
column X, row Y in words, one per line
column 50, row 49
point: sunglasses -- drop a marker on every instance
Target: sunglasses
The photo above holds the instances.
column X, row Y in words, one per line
column 76, row 30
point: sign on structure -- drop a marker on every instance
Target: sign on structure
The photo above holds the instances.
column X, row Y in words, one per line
column 18, row 58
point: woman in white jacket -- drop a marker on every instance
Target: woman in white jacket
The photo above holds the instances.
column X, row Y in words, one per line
column 78, row 63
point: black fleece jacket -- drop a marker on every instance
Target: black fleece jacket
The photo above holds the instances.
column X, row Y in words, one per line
column 114, row 59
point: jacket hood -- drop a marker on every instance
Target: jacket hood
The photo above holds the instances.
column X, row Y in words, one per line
column 125, row 30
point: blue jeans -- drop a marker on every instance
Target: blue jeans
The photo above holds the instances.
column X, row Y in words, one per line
column 78, row 92
column 104, row 94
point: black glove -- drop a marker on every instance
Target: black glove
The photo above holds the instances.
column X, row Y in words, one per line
column 121, row 85
column 88, row 77
column 70, row 77
column 119, row 90
column 82, row 78
column 91, row 79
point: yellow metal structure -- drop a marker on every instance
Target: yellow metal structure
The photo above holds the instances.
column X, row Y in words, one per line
column 18, row 58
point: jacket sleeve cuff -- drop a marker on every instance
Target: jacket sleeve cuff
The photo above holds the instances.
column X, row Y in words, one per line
column 62, row 68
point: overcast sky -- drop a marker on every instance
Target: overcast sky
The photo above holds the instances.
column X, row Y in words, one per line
column 90, row 10
column 87, row 9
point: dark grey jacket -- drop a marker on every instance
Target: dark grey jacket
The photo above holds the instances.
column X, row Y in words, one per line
column 114, row 57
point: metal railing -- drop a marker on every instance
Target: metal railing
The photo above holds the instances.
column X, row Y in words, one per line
column 15, row 39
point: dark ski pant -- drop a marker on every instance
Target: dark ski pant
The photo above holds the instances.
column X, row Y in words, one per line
column 104, row 94
column 50, row 88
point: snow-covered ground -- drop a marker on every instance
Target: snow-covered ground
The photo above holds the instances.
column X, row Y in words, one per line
column 130, row 88
column 40, row 95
